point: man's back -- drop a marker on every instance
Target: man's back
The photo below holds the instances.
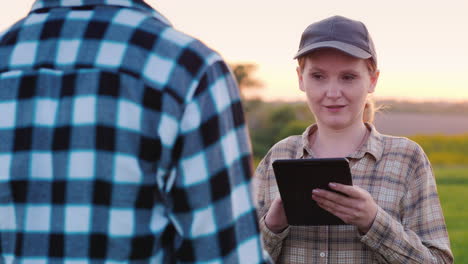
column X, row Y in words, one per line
column 121, row 139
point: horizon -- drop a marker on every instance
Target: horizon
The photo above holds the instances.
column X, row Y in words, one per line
column 254, row 94
column 422, row 55
column 375, row 98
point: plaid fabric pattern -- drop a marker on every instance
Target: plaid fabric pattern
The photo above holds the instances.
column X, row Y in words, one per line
column 409, row 226
column 122, row 140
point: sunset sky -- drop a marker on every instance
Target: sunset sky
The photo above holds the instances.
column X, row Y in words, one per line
column 422, row 45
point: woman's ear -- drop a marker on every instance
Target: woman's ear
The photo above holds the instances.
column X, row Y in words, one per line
column 373, row 81
column 300, row 79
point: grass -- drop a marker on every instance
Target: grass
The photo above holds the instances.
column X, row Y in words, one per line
column 452, row 185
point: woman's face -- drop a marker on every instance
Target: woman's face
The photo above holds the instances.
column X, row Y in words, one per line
column 336, row 86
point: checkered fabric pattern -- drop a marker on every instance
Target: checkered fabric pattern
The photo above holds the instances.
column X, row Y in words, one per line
column 122, row 140
column 409, row 226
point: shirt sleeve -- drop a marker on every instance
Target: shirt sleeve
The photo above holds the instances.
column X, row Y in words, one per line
column 211, row 205
column 421, row 235
column 272, row 242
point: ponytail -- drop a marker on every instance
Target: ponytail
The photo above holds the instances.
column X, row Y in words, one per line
column 369, row 111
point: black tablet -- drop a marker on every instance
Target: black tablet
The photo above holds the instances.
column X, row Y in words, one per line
column 296, row 178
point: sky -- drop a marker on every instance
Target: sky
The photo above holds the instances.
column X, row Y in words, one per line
column 422, row 45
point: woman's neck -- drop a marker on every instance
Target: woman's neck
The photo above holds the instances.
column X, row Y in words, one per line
column 331, row 143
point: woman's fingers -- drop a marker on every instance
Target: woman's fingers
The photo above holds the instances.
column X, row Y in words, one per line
column 350, row 191
column 275, row 218
column 358, row 208
column 332, row 196
column 334, row 207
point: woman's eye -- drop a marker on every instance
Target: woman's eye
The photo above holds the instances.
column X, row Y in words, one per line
column 317, row 76
column 349, row 77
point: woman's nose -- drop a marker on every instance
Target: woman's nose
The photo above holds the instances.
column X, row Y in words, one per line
column 333, row 91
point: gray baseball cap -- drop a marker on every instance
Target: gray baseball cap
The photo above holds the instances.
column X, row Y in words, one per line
column 347, row 35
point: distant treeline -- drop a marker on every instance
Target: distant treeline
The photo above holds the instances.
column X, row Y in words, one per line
column 270, row 122
column 429, row 107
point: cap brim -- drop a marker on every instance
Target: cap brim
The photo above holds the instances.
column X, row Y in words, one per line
column 344, row 47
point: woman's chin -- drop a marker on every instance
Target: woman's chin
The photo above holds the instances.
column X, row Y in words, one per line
column 335, row 123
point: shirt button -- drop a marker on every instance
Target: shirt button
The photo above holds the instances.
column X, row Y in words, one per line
column 322, row 254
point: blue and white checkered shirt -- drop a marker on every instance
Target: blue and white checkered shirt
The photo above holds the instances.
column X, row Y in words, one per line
column 122, row 140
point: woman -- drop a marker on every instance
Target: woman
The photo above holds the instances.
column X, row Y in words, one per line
column 393, row 209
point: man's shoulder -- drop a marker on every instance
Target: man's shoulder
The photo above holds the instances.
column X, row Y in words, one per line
column 169, row 36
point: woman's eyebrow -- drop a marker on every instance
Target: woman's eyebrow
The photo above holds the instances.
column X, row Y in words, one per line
column 315, row 68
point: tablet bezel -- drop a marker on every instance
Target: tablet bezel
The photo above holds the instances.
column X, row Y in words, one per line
column 296, row 178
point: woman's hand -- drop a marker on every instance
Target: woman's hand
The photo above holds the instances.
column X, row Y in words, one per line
column 358, row 209
column 275, row 218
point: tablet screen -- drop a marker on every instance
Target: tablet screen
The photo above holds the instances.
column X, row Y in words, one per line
column 296, row 178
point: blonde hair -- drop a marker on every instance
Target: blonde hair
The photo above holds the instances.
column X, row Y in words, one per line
column 369, row 111
column 369, row 108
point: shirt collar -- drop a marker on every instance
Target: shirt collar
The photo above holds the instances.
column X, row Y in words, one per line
column 306, row 150
column 137, row 4
column 373, row 144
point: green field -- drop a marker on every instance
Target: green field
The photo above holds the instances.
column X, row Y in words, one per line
column 452, row 184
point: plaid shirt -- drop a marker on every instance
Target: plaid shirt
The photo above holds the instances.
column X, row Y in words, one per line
column 122, row 140
column 409, row 226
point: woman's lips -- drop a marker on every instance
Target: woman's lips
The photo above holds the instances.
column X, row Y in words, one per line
column 334, row 108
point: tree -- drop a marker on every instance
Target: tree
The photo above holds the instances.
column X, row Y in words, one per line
column 243, row 74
